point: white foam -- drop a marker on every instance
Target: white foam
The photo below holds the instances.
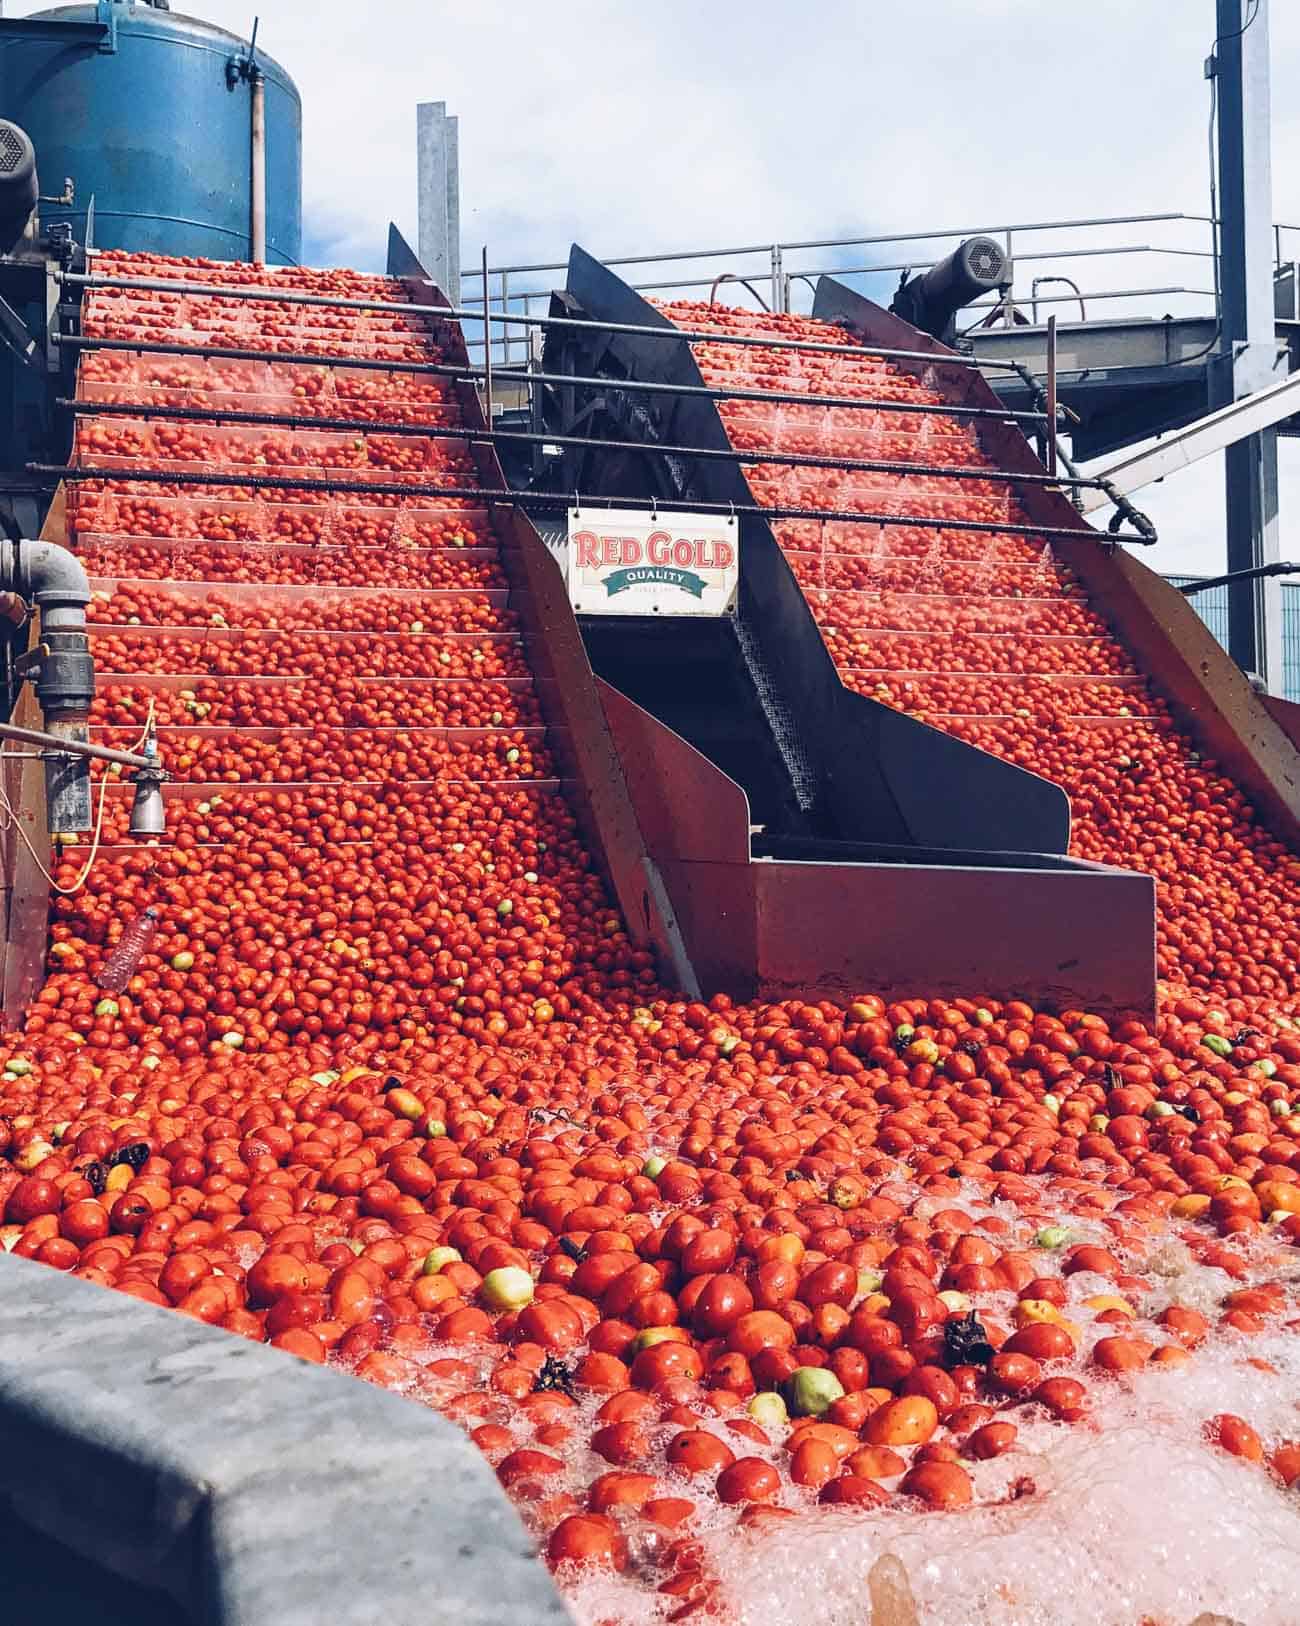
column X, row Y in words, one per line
column 1135, row 1517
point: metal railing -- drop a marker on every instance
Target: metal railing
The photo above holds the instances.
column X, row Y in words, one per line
column 1211, row 604
column 480, row 375
column 781, row 276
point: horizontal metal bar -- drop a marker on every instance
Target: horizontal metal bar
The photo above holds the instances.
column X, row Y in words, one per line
column 470, row 375
column 867, row 270
column 57, row 745
column 364, row 426
column 619, row 386
column 1020, row 259
column 557, row 500
column 1179, row 448
column 1277, row 568
column 1103, row 293
column 510, row 319
column 854, row 242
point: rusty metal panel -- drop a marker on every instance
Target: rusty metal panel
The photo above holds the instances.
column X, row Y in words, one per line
column 1054, row 930
column 688, row 808
column 1286, row 714
column 716, row 907
column 27, row 863
column 1206, row 690
column 577, row 731
column 1084, row 935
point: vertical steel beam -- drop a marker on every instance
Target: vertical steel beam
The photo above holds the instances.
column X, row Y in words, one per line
column 1249, row 362
column 439, row 186
column 1050, row 459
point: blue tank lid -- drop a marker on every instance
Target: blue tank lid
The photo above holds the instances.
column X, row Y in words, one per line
column 135, row 17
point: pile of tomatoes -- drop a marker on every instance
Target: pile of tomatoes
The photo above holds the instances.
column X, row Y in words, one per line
column 392, row 1089
column 1140, row 796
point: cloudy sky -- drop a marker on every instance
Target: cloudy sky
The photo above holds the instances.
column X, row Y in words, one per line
column 634, row 127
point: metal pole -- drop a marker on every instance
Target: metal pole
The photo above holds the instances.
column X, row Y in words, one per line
column 487, row 343
column 439, row 201
column 1249, row 358
column 289, row 296
column 257, row 189
column 619, row 386
column 424, row 431
column 1051, row 395
column 1285, row 568
column 73, row 747
column 483, row 495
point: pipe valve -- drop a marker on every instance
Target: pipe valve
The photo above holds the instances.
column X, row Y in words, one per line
column 53, row 579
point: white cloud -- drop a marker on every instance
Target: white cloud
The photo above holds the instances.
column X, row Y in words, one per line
column 634, row 127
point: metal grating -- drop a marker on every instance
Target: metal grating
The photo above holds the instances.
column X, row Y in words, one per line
column 780, row 719
column 12, row 151
column 988, row 262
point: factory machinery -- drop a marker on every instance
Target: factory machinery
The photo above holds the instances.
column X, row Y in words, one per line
column 309, row 669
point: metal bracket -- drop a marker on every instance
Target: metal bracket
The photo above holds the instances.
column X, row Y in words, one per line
column 16, row 336
column 240, row 68
column 30, row 661
column 53, row 317
column 106, row 15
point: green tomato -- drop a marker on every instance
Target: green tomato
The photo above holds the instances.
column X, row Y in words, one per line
column 812, row 1390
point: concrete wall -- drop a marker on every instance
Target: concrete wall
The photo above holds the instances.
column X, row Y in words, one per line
column 244, row 1485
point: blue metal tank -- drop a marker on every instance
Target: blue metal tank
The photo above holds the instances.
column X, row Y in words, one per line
column 142, row 109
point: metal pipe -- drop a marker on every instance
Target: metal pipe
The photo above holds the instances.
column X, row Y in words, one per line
column 367, row 426
column 1109, row 293
column 1255, row 573
column 257, row 189
column 1034, row 301
column 557, row 500
column 732, row 276
column 1124, row 509
column 868, row 242
column 469, row 374
column 1021, row 259
column 74, row 279
column 487, row 346
column 55, row 581
column 84, row 748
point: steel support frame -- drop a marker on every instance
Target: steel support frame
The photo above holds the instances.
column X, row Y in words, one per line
column 1249, row 361
column 438, row 146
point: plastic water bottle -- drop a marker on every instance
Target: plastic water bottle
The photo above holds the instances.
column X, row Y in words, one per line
column 118, row 969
